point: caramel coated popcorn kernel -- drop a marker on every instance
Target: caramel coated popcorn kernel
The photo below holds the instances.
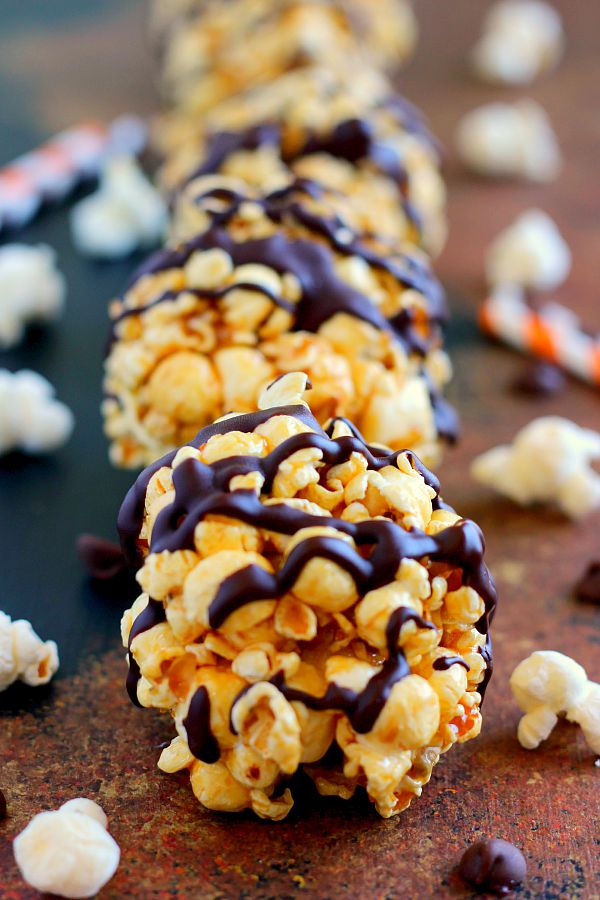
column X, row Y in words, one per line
column 302, row 589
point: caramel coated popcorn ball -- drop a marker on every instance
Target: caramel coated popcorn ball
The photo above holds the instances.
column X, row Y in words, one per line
column 271, row 284
column 354, row 135
column 212, row 50
column 309, row 603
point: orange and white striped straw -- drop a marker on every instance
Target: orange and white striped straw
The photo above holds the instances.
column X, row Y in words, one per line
column 552, row 333
column 53, row 170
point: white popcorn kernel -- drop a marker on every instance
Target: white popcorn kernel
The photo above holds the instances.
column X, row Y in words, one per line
column 23, row 655
column 509, row 140
column 547, row 462
column 68, row 852
column 531, row 253
column 548, row 684
column 86, row 808
column 124, row 214
column 31, row 289
column 586, row 714
column 520, row 39
column 31, row 419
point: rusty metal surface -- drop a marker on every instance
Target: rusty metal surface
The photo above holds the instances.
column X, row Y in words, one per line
column 80, row 736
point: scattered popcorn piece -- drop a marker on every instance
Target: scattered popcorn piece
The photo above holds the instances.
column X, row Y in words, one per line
column 31, row 419
column 548, row 684
column 509, row 140
column 68, row 852
column 586, row 714
column 531, row 253
column 520, row 39
column 31, row 289
column 548, row 461
column 23, row 655
column 124, row 214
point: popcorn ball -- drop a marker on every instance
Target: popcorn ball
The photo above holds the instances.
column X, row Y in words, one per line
column 354, row 135
column 309, row 603
column 212, row 50
column 271, row 284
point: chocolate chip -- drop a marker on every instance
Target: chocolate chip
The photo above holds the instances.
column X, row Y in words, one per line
column 103, row 559
column 2, row 806
column 493, row 865
column 540, row 380
column 587, row 588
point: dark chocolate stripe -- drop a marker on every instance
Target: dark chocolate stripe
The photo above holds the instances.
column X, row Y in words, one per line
column 153, row 614
column 362, row 708
column 201, row 741
column 131, row 513
column 443, row 663
column 324, row 293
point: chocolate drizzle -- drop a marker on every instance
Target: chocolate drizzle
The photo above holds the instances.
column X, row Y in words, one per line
column 201, row 741
column 152, row 615
column 445, row 662
column 381, row 545
column 324, row 293
column 354, row 140
column 362, row 708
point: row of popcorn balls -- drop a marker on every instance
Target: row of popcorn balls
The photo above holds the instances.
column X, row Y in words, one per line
column 205, row 55
column 355, row 136
column 301, row 589
column 274, row 283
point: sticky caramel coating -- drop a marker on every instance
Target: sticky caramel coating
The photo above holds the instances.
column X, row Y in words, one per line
column 211, row 50
column 271, row 639
column 353, row 134
column 203, row 330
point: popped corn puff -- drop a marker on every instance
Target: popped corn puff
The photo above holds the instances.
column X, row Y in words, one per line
column 206, row 54
column 271, row 284
column 509, row 140
column 354, row 135
column 520, row 40
column 547, row 685
column 23, row 655
column 68, row 852
column 549, row 461
column 302, row 592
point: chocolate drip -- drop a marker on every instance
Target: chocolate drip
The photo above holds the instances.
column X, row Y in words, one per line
column 324, row 293
column 201, row 741
column 223, row 144
column 362, row 708
column 283, row 204
column 445, row 662
column 131, row 514
column 152, row 615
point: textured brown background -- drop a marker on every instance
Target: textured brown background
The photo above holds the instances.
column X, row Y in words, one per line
column 80, row 736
